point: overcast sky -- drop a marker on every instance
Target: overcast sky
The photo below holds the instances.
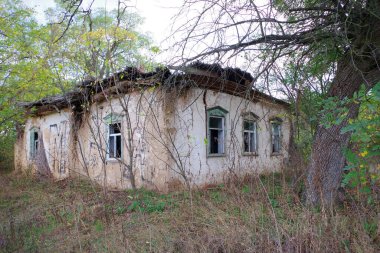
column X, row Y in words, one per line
column 157, row 13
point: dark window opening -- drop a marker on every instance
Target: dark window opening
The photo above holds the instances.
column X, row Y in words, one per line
column 216, row 134
column 250, row 136
column 276, row 137
column 34, row 144
column 36, row 141
column 114, row 142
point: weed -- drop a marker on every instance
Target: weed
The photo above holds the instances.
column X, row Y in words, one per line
column 274, row 203
column 157, row 206
column 371, row 228
column 260, row 214
column 98, row 225
column 148, row 206
column 120, row 210
column 245, row 189
column 217, row 197
column 135, row 206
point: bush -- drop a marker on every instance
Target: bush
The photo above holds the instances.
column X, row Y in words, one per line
column 7, row 152
column 363, row 169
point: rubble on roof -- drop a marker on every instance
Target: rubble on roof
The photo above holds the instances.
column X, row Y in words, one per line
column 59, row 101
column 231, row 74
column 209, row 76
column 131, row 74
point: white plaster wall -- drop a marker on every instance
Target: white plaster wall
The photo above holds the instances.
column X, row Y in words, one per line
column 54, row 129
column 149, row 159
column 168, row 142
column 190, row 121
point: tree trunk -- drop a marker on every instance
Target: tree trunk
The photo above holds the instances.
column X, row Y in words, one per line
column 327, row 160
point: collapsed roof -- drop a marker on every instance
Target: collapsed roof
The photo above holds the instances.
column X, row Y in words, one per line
column 233, row 81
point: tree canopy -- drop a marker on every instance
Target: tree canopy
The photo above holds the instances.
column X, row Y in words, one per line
column 99, row 43
column 37, row 61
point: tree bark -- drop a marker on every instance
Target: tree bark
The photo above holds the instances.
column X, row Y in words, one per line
column 324, row 172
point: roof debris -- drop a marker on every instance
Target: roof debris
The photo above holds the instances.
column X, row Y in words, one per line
column 207, row 76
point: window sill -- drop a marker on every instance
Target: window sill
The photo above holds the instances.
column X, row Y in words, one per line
column 215, row 155
column 113, row 160
column 276, row 154
column 250, row 154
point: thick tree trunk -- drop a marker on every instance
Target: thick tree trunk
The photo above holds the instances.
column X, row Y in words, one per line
column 327, row 160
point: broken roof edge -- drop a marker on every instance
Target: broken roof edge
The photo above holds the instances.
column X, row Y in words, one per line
column 229, row 87
column 59, row 100
column 132, row 76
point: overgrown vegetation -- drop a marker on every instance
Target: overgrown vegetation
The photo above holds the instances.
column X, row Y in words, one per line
column 37, row 62
column 363, row 159
column 6, row 152
column 257, row 214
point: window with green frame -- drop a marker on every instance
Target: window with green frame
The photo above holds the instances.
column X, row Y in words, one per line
column 114, row 135
column 34, row 142
column 216, row 131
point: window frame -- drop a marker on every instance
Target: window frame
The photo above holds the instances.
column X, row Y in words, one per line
column 33, row 143
column 114, row 137
column 278, row 122
column 251, row 118
column 216, row 112
column 109, row 120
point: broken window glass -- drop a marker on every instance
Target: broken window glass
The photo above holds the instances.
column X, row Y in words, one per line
column 34, row 143
column 276, row 137
column 250, row 136
column 216, row 134
column 114, row 142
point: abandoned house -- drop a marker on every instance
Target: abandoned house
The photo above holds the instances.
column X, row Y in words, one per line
column 157, row 130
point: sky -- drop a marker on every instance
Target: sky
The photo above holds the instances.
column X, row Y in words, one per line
column 158, row 16
column 157, row 13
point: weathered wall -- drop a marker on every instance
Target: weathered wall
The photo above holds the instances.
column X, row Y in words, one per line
column 141, row 121
column 164, row 140
column 54, row 147
column 191, row 136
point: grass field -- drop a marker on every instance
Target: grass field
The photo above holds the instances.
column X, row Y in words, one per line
column 258, row 214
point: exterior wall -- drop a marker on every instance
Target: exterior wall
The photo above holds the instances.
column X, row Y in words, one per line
column 164, row 136
column 191, row 136
column 53, row 153
column 141, row 148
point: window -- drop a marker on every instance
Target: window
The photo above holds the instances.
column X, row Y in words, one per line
column 216, row 128
column 34, row 142
column 113, row 130
column 114, row 141
column 276, row 135
column 249, row 136
column 216, row 131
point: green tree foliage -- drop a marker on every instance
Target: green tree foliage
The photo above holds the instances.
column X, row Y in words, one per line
column 363, row 168
column 37, row 60
column 24, row 71
column 98, row 43
column 362, row 172
column 305, row 86
column 6, row 151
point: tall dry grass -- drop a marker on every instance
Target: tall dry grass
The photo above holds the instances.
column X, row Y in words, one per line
column 255, row 214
